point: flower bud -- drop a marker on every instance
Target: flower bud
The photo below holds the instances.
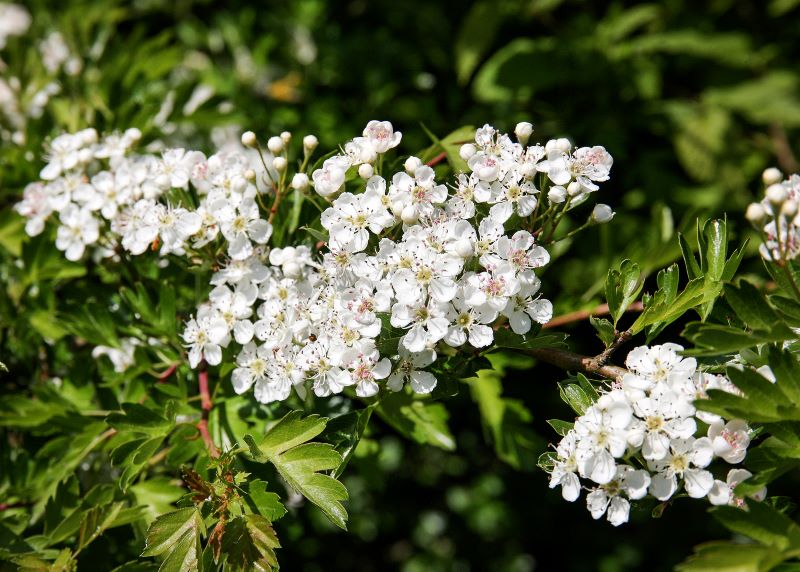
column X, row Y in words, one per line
column 563, row 145
column 275, row 145
column 776, row 194
column 291, row 269
column 523, row 131
column 756, row 213
column 528, row 170
column 397, row 208
column 286, row 137
column 412, row 164
column 467, row 150
column 250, row 175
column 300, row 182
column 557, row 194
column 602, row 213
column 771, row 176
column 574, row 189
column 789, row 208
column 133, row 134
column 310, row 143
column 279, row 164
column 409, row 215
column 249, row 139
column 365, row 171
column 464, row 248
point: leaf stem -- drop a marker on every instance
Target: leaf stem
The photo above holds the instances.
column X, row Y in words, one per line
column 206, row 405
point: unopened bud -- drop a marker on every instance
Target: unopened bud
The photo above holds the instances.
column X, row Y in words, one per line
column 771, row 176
column 275, row 145
column 412, row 164
column 464, row 248
column 365, row 171
column 467, row 150
column 776, row 194
column 250, row 175
column 279, row 164
column 133, row 134
column 557, row 194
column 286, row 137
column 756, row 213
column 310, row 143
column 249, row 139
column 409, row 215
column 574, row 189
column 300, row 182
column 602, row 213
column 523, row 131
column 789, row 208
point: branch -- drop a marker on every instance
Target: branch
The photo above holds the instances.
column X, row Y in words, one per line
column 580, row 315
column 438, row 159
column 783, row 150
column 603, row 357
column 571, row 361
column 206, row 405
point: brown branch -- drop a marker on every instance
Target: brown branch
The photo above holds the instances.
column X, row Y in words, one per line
column 570, row 361
column 9, row 505
column 580, row 315
column 206, row 405
column 438, row 159
column 276, row 203
column 603, row 357
column 783, row 150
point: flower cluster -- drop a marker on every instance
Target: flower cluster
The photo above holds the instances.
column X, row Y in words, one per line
column 777, row 217
column 410, row 266
column 106, row 197
column 641, row 437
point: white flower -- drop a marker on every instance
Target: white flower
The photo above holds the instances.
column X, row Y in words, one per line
column 252, row 363
column 608, row 497
column 78, row 229
column 240, row 226
column 730, row 440
column 686, row 459
column 363, row 371
column 205, row 336
column 382, row 136
column 330, row 178
column 408, row 370
column 722, row 493
column 469, row 323
column 427, row 323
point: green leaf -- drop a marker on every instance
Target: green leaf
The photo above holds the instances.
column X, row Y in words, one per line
column 506, row 422
column 250, row 542
column 622, row 288
column 344, row 433
column 423, row 421
column 95, row 521
column 575, row 396
column 177, row 536
column 662, row 311
column 729, row 557
column 751, row 306
column 299, row 462
column 508, row 339
column 762, row 523
column 267, row 504
column 560, row 427
column 137, row 418
column 605, row 330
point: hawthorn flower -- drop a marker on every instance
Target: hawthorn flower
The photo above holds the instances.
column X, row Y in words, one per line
column 78, row 229
column 252, row 363
column 415, row 197
column 687, row 459
column 722, row 492
column 730, row 440
column 330, row 178
column 363, row 371
column 242, row 226
column 382, row 136
column 205, row 336
column 409, row 370
column 469, row 323
column 523, row 308
column 426, row 323
column 609, row 497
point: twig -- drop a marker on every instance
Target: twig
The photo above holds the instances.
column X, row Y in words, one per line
column 783, row 150
column 206, row 405
column 168, row 372
column 438, row 159
column 571, row 361
column 9, row 505
column 603, row 357
column 580, row 315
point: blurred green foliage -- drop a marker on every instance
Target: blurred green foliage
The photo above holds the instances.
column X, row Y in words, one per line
column 692, row 99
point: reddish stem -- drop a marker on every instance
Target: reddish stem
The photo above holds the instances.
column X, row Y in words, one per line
column 438, row 159
column 168, row 372
column 206, row 405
